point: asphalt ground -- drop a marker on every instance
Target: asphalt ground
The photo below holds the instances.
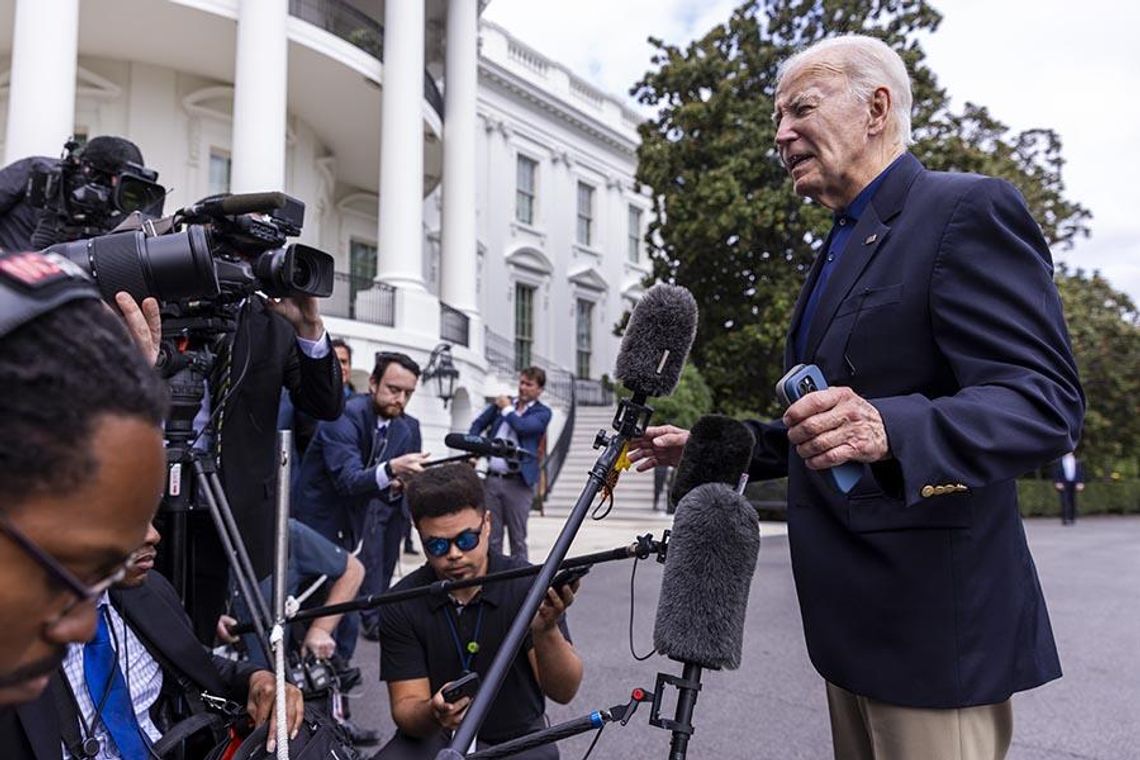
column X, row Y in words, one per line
column 774, row 707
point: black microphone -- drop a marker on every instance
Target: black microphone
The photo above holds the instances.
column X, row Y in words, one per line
column 485, row 447
column 657, row 339
column 708, row 573
column 719, row 450
column 236, row 205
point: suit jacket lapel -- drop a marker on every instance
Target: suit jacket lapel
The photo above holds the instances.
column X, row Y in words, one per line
column 40, row 723
column 150, row 617
column 865, row 241
column 801, row 302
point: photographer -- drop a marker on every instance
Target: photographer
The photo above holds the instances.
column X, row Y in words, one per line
column 88, row 192
column 77, row 397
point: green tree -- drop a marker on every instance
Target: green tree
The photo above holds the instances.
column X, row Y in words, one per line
column 1105, row 329
column 727, row 224
column 686, row 404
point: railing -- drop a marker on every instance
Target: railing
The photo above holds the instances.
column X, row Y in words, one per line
column 556, row 457
column 454, row 325
column 362, row 299
column 500, row 354
column 356, row 28
column 593, row 393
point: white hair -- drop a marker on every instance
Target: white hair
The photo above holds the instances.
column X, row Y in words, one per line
column 868, row 63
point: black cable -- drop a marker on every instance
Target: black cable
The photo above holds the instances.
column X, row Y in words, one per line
column 234, row 384
column 596, row 737
column 632, row 576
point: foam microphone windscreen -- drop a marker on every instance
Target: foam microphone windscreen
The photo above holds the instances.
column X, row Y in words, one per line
column 719, row 450
column 657, row 340
column 708, row 571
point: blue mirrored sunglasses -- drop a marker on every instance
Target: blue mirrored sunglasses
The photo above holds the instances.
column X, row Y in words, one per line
column 438, row 546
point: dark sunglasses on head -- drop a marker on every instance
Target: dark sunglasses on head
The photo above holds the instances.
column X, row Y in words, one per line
column 438, row 546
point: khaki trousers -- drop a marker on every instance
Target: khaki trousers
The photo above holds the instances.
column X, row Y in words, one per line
column 864, row 729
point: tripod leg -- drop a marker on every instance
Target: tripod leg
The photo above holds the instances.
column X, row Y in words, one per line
column 235, row 551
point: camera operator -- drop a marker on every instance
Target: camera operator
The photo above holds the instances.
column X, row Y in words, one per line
column 279, row 343
column 81, row 463
column 90, row 190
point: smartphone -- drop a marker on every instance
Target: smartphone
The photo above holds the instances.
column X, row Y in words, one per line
column 569, row 575
column 799, row 381
column 464, row 686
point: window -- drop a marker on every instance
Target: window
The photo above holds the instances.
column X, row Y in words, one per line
column 634, row 234
column 219, row 172
column 525, row 190
column 362, row 271
column 524, row 325
column 584, row 336
column 585, row 213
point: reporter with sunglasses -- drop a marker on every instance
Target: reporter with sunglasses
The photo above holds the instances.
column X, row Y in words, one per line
column 429, row 642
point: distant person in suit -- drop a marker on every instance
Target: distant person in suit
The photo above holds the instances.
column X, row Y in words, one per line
column 510, row 485
column 351, row 483
column 931, row 311
column 1069, row 480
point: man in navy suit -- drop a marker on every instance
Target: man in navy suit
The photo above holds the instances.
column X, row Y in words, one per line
column 1068, row 479
column 510, row 485
column 932, row 312
column 350, row 487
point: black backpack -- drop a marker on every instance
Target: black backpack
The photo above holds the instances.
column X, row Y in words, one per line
column 320, row 737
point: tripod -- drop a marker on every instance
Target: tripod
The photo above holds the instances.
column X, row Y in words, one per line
column 193, row 482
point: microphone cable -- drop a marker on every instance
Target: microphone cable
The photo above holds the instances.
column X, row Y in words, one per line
column 632, row 599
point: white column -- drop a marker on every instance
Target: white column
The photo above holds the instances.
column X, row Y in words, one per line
column 457, row 287
column 400, row 233
column 260, row 82
column 41, row 92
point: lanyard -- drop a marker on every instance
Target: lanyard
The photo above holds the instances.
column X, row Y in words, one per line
column 466, row 653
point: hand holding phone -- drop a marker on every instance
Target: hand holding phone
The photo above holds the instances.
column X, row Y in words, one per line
column 567, row 576
column 799, row 381
column 464, row 686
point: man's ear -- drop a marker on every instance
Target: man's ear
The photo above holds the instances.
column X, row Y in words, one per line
column 879, row 111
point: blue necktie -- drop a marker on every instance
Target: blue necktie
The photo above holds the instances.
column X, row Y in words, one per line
column 109, row 693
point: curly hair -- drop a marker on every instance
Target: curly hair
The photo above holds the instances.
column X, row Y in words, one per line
column 444, row 490
column 60, row 373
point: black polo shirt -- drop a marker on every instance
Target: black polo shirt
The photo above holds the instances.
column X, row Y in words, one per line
column 418, row 641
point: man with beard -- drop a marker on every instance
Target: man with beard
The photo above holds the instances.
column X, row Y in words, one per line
column 77, row 394
column 351, row 488
column 123, row 687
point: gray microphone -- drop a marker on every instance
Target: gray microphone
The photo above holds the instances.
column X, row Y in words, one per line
column 657, row 339
column 708, row 572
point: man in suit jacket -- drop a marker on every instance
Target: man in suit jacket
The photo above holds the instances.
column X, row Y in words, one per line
column 351, row 478
column 932, row 312
column 160, row 660
column 278, row 344
column 510, row 485
column 1068, row 479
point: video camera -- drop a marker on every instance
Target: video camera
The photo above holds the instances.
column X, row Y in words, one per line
column 82, row 199
column 218, row 250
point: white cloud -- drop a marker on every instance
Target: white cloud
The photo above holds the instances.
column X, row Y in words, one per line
column 1072, row 68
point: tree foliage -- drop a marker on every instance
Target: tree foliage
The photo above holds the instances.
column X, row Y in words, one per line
column 1105, row 330
column 727, row 224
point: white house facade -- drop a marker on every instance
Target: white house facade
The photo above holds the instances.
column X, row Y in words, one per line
column 471, row 191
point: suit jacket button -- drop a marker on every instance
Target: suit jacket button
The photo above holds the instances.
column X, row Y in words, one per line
column 940, row 490
column 927, row 491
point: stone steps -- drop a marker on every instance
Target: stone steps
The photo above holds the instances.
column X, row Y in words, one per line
column 633, row 497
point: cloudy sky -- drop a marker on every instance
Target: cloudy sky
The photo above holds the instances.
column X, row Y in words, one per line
column 1072, row 67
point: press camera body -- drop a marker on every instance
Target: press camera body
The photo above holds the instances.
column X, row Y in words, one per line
column 217, row 251
column 80, row 199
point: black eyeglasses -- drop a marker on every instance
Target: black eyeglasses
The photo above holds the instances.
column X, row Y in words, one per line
column 437, row 546
column 59, row 574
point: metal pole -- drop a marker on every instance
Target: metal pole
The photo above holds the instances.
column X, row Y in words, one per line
column 284, row 463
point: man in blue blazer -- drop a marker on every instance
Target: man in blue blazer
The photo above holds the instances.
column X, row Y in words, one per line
column 1069, row 479
column 932, row 312
column 350, row 488
column 509, row 487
